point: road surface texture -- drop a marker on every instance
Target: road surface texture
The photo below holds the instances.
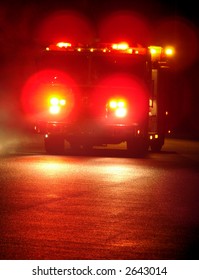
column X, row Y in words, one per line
column 104, row 205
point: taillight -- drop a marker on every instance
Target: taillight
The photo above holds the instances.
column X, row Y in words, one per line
column 117, row 107
column 56, row 105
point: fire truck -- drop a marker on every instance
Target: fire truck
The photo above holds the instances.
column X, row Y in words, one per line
column 102, row 94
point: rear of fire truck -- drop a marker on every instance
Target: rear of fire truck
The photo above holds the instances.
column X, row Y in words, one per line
column 97, row 95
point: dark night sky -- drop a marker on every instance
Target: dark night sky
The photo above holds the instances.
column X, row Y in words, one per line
column 152, row 9
column 23, row 16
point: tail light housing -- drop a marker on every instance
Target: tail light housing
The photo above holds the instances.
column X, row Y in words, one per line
column 117, row 107
column 56, row 105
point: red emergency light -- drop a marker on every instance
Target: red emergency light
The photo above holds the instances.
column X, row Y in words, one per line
column 121, row 47
column 118, row 107
column 56, row 105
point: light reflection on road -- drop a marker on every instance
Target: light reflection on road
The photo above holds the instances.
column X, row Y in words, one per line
column 115, row 170
column 98, row 207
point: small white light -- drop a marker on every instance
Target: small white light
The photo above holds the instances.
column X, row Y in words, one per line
column 62, row 102
column 54, row 101
column 113, row 104
column 121, row 112
column 54, row 109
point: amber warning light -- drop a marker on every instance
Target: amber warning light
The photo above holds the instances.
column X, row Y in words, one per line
column 157, row 52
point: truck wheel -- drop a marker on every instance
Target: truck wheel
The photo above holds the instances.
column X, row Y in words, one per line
column 156, row 145
column 137, row 147
column 54, row 144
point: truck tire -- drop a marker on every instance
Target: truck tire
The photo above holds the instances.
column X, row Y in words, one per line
column 137, row 147
column 54, row 144
column 156, row 145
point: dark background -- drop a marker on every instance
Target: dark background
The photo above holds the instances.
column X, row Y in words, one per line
column 174, row 22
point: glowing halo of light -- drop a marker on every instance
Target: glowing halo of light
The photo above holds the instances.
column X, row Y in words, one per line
column 124, row 87
column 41, row 86
column 125, row 26
column 182, row 35
column 64, row 25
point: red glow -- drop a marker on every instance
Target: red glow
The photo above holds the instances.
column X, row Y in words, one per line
column 125, row 26
column 182, row 35
column 65, row 25
column 123, row 87
column 42, row 86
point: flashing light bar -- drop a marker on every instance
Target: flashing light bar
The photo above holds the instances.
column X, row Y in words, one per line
column 157, row 52
column 122, row 47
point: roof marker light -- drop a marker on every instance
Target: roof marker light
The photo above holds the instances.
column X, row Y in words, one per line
column 155, row 50
column 63, row 45
column 169, row 51
column 121, row 46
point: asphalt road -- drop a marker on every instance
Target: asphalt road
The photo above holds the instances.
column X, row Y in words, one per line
column 99, row 206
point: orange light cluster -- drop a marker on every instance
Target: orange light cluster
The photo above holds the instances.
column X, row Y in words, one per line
column 118, row 107
column 158, row 52
column 56, row 104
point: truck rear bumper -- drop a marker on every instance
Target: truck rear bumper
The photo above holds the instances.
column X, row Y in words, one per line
column 102, row 133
